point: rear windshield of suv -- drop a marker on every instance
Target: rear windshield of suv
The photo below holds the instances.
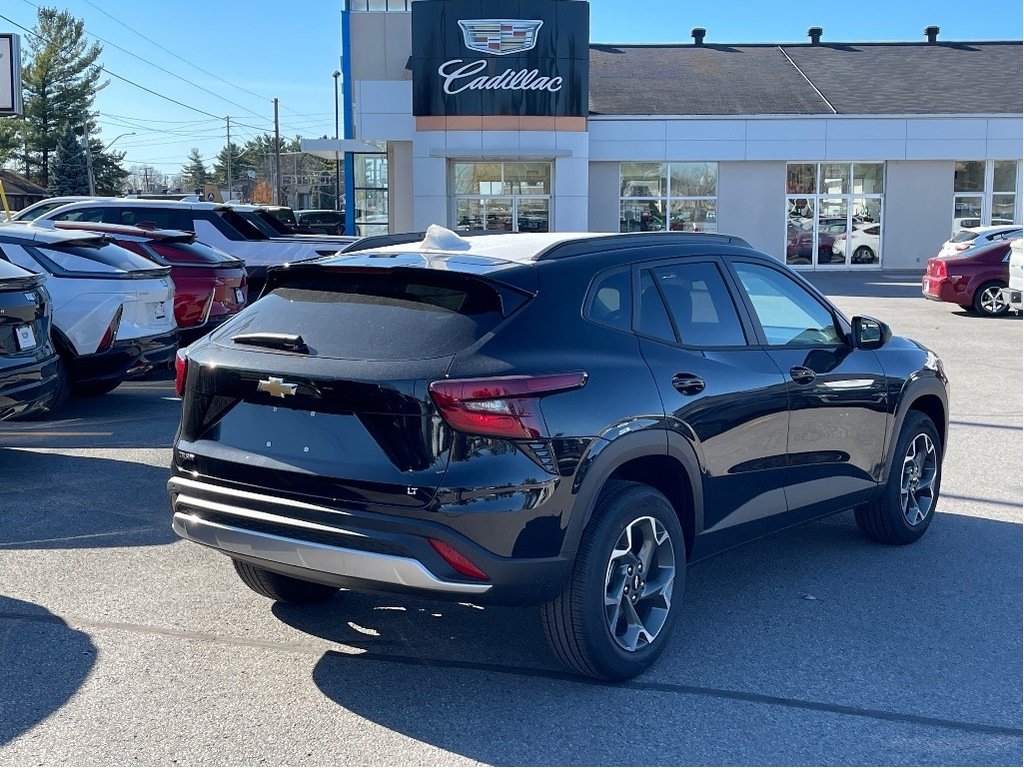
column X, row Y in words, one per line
column 386, row 316
column 105, row 258
column 188, row 254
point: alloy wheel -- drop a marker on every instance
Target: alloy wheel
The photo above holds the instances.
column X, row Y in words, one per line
column 991, row 301
column 920, row 471
column 638, row 584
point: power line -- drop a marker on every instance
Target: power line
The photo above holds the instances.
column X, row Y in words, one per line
column 186, row 61
column 167, row 71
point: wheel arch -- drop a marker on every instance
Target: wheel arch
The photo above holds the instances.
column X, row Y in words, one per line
column 659, row 458
column 923, row 395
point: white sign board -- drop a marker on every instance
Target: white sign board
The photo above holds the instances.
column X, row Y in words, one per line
column 10, row 74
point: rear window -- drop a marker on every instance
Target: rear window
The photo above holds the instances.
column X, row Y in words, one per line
column 105, row 258
column 321, row 217
column 386, row 316
column 188, row 254
column 964, row 236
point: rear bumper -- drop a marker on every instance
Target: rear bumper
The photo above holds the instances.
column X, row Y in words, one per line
column 27, row 388
column 1012, row 296
column 125, row 359
column 943, row 289
column 354, row 550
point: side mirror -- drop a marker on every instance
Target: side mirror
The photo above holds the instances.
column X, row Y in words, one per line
column 869, row 333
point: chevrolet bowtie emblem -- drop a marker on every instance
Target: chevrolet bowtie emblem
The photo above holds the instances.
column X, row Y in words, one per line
column 276, row 387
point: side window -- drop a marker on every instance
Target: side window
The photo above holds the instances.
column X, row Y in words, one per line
column 81, row 214
column 611, row 300
column 653, row 317
column 700, row 305
column 788, row 313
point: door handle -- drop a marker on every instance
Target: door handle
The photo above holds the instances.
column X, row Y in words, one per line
column 688, row 383
column 801, row 375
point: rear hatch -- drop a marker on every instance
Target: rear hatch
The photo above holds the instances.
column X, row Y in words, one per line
column 320, row 388
column 144, row 287
column 24, row 315
column 208, row 282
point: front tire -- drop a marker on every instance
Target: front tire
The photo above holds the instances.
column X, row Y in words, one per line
column 988, row 300
column 277, row 586
column 906, row 505
column 615, row 615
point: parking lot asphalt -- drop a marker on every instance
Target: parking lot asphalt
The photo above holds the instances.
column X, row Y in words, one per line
column 120, row 644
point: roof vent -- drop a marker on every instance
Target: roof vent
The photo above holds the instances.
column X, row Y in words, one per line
column 932, row 33
column 698, row 35
column 815, row 34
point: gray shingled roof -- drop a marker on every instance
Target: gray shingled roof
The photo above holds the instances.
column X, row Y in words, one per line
column 854, row 78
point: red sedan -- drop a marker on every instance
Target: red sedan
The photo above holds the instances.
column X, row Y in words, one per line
column 973, row 278
column 209, row 285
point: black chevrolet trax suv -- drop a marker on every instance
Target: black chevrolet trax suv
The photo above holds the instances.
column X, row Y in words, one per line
column 558, row 419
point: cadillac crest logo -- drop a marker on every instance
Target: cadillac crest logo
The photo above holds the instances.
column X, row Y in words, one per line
column 500, row 37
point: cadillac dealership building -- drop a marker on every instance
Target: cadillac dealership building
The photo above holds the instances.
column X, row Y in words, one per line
column 502, row 115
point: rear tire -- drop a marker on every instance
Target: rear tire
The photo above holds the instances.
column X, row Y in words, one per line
column 906, row 505
column 277, row 586
column 988, row 300
column 616, row 613
column 60, row 396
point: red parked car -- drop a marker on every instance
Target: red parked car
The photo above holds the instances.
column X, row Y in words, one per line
column 973, row 278
column 209, row 285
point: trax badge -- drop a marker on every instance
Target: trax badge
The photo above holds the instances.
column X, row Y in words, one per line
column 276, row 387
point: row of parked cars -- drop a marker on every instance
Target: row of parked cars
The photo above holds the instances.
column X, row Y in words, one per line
column 94, row 291
column 978, row 269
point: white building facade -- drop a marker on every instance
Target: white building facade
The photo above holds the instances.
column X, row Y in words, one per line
column 842, row 156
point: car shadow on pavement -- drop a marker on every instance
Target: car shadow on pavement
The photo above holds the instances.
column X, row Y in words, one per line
column 135, row 415
column 50, row 501
column 835, row 642
column 43, row 662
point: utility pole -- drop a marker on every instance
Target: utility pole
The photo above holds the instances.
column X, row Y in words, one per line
column 277, row 157
column 230, row 157
column 88, row 154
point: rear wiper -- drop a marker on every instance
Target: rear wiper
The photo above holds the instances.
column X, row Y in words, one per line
column 290, row 342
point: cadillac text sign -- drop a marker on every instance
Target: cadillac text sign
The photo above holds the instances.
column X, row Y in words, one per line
column 500, row 57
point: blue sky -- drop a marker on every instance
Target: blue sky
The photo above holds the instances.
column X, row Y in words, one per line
column 253, row 51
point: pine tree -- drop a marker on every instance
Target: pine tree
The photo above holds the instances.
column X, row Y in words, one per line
column 60, row 81
column 109, row 174
column 69, row 175
column 239, row 165
column 194, row 173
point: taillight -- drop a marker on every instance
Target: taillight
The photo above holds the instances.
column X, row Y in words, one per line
column 457, row 560
column 180, row 369
column 937, row 268
column 111, row 333
column 507, row 406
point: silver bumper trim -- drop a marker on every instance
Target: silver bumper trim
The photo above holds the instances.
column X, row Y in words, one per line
column 337, row 561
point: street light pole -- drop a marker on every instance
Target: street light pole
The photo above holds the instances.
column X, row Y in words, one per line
column 337, row 161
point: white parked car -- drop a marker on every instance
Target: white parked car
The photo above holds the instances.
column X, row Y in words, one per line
column 1012, row 294
column 113, row 310
column 863, row 243
column 215, row 224
column 974, row 237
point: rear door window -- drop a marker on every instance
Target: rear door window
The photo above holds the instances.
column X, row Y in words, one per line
column 700, row 306
column 152, row 217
